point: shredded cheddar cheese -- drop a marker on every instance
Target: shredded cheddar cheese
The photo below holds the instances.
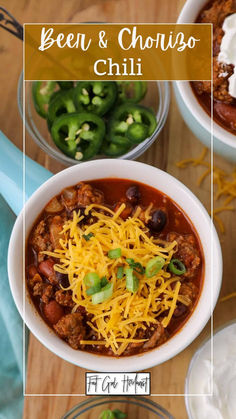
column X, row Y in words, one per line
column 228, row 297
column 225, row 190
column 117, row 320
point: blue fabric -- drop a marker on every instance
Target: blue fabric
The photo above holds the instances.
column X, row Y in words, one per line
column 11, row 336
column 12, row 174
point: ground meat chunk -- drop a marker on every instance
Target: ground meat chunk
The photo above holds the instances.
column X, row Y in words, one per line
column 217, row 12
column 32, row 270
column 157, row 337
column 190, row 290
column 127, row 211
column 187, row 252
column 36, row 279
column 40, row 288
column 64, row 298
column 69, row 198
column 47, row 294
column 40, row 239
column 70, row 328
column 87, row 195
column 221, row 74
column 140, row 334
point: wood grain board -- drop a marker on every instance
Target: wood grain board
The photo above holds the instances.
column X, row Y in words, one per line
column 46, row 373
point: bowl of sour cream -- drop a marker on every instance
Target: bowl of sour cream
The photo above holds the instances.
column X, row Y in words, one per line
column 210, row 387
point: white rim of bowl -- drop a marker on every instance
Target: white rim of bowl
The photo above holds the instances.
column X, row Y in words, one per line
column 144, row 359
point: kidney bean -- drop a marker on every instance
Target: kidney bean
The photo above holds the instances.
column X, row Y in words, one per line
column 227, row 113
column 46, row 268
column 53, row 312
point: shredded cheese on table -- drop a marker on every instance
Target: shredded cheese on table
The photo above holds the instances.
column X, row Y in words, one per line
column 225, row 190
column 117, row 320
column 228, row 297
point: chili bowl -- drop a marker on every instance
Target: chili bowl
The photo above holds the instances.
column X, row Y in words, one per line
column 165, row 183
column 197, row 119
column 157, row 97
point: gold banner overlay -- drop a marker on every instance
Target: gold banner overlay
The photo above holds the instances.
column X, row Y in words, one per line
column 117, row 52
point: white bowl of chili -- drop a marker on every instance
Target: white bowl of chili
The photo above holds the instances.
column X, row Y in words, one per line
column 213, row 133
column 181, row 200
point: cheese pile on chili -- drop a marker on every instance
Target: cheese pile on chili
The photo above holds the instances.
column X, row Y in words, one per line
column 225, row 189
column 117, row 319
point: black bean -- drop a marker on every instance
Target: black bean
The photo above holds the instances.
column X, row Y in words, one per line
column 180, row 310
column 35, row 256
column 133, row 194
column 158, row 221
column 62, row 279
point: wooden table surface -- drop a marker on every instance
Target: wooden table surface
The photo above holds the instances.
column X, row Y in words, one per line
column 46, row 373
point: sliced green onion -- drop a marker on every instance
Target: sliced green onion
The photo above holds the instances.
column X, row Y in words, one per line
column 176, row 267
column 87, row 237
column 104, row 281
column 136, row 266
column 103, row 295
column 154, row 266
column 120, row 272
column 93, row 290
column 91, row 279
column 132, row 282
column 114, row 253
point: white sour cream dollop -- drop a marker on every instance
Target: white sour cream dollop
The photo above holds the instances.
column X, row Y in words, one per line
column 222, row 405
column 227, row 53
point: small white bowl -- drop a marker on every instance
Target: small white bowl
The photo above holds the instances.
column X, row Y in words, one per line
column 202, row 356
column 176, row 191
column 193, row 113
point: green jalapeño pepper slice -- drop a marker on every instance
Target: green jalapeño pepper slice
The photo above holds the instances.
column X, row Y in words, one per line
column 41, row 93
column 114, row 150
column 61, row 103
column 131, row 91
column 96, row 96
column 78, row 135
column 131, row 124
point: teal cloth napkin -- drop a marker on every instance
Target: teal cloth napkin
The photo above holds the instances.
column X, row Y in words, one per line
column 11, row 330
